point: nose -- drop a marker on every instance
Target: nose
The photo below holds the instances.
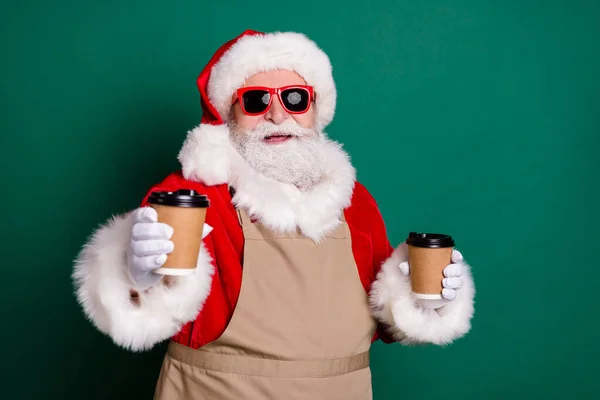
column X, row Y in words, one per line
column 276, row 113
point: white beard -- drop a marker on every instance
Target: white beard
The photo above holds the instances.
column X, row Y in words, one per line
column 298, row 161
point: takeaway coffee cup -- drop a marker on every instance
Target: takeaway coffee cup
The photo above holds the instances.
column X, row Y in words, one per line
column 185, row 211
column 428, row 255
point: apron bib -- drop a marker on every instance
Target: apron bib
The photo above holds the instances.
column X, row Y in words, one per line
column 301, row 329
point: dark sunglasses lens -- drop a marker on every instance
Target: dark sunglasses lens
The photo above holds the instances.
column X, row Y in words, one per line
column 255, row 101
column 295, row 100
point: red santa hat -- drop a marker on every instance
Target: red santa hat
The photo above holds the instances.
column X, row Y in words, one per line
column 205, row 153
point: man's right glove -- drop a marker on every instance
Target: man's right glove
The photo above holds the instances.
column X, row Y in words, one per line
column 148, row 247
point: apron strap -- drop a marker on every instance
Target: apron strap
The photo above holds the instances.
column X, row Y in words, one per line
column 243, row 217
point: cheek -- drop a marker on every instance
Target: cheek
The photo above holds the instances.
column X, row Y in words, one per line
column 244, row 121
column 306, row 120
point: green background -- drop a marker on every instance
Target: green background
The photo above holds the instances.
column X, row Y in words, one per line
column 477, row 118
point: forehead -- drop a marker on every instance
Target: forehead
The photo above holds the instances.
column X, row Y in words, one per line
column 275, row 78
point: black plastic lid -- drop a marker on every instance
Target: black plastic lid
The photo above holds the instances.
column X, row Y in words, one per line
column 429, row 240
column 180, row 198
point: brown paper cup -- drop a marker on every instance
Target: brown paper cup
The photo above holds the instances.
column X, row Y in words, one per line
column 426, row 270
column 428, row 255
column 187, row 224
column 185, row 212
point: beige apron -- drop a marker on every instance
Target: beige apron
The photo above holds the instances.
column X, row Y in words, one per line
column 301, row 329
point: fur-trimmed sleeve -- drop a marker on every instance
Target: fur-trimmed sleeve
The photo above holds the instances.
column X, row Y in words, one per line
column 400, row 318
column 135, row 320
column 394, row 306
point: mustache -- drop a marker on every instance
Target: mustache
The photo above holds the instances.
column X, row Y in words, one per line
column 266, row 129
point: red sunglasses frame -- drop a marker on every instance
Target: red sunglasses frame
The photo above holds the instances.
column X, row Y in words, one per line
column 274, row 91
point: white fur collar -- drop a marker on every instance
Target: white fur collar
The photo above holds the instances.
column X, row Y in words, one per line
column 208, row 156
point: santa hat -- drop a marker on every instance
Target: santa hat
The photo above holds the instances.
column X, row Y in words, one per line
column 205, row 152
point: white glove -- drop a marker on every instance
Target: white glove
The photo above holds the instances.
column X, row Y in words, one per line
column 452, row 280
column 149, row 247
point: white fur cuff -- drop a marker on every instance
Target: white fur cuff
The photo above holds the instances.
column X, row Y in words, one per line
column 103, row 290
column 205, row 154
column 394, row 306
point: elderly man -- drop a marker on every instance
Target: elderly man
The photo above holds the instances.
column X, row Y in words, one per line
column 296, row 277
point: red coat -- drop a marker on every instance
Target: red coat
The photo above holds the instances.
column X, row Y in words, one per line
column 370, row 247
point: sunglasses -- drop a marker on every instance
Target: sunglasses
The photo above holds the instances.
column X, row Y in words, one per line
column 256, row 100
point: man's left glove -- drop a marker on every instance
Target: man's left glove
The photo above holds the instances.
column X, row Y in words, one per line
column 452, row 280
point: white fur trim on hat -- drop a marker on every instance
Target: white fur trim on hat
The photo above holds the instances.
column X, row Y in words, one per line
column 272, row 51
